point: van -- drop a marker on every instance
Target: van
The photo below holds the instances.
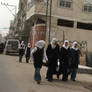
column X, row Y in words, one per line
column 12, row 46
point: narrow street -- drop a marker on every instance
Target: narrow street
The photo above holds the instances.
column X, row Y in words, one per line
column 16, row 77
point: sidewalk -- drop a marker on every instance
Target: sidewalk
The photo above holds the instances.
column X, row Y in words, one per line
column 85, row 69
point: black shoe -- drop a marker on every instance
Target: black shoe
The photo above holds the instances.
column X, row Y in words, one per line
column 57, row 76
column 46, row 77
column 64, row 79
column 38, row 82
column 73, row 80
column 50, row 80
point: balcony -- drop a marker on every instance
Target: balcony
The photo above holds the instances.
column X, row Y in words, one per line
column 36, row 7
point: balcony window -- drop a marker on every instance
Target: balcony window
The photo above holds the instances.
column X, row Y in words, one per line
column 66, row 3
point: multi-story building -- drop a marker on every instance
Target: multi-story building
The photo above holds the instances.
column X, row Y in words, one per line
column 71, row 19
column 11, row 29
column 21, row 20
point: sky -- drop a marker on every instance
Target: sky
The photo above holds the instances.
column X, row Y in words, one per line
column 6, row 16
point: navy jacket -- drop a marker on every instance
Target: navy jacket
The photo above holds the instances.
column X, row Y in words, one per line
column 38, row 58
column 75, row 58
column 64, row 56
column 28, row 52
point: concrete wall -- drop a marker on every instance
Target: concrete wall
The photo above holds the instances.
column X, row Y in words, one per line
column 71, row 33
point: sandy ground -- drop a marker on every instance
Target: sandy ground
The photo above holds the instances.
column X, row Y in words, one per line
column 22, row 75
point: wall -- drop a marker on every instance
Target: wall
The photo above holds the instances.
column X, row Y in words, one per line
column 38, row 33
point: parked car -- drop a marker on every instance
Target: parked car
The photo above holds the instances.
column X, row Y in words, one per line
column 12, row 46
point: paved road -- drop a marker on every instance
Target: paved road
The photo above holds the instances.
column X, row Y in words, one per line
column 16, row 77
column 7, row 84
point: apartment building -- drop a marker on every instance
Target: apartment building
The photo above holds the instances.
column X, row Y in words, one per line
column 71, row 19
column 21, row 31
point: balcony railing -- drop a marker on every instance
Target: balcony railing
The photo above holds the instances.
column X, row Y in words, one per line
column 31, row 3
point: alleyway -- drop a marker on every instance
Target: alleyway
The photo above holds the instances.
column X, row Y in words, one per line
column 16, row 77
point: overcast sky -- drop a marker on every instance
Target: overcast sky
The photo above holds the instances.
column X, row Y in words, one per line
column 5, row 15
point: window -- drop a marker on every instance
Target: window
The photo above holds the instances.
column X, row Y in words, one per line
column 66, row 3
column 88, row 8
column 87, row 26
column 66, row 23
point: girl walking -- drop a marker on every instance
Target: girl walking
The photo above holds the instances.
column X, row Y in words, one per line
column 75, row 60
column 38, row 53
column 28, row 53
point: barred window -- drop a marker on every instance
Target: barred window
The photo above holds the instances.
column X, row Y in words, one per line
column 66, row 3
column 88, row 8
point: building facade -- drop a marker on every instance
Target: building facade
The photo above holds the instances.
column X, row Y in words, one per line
column 71, row 19
column 21, row 21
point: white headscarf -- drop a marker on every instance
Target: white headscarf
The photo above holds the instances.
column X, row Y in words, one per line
column 22, row 45
column 40, row 44
column 22, row 42
column 73, row 46
column 28, row 45
column 52, row 42
column 66, row 47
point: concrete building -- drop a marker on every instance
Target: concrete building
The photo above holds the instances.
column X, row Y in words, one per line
column 21, row 20
column 71, row 19
column 13, row 28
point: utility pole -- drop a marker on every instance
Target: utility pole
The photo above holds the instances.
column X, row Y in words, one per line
column 8, row 5
column 47, row 4
column 50, row 21
column 63, row 36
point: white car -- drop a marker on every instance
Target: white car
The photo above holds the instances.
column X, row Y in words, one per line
column 12, row 46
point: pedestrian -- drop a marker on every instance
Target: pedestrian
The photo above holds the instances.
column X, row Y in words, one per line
column 52, row 54
column 59, row 72
column 21, row 51
column 2, row 46
column 28, row 52
column 75, row 60
column 64, row 59
column 38, row 54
